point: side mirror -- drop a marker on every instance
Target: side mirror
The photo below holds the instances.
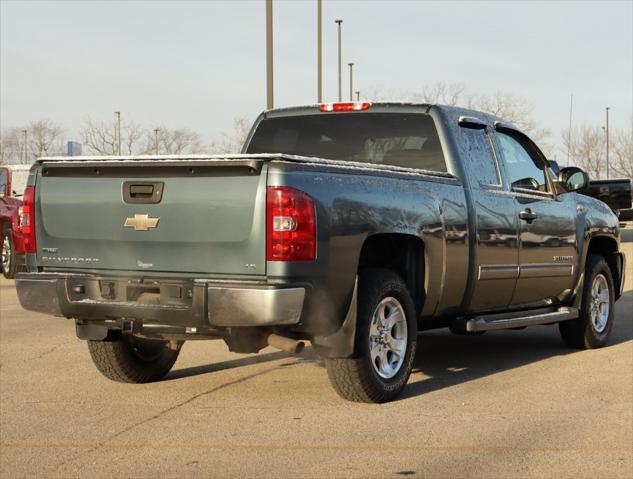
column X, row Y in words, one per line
column 573, row 178
column 526, row 184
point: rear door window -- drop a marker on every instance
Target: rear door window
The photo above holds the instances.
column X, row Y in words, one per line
column 482, row 162
column 409, row 140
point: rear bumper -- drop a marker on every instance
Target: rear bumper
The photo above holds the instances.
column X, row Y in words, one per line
column 189, row 303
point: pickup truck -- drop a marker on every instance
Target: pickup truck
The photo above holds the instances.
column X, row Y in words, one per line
column 12, row 183
column 616, row 193
column 352, row 226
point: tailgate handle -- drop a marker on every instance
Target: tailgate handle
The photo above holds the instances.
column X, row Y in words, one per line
column 142, row 192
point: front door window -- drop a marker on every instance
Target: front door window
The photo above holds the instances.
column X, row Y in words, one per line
column 525, row 171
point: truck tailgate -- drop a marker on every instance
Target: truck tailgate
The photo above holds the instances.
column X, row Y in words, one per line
column 208, row 218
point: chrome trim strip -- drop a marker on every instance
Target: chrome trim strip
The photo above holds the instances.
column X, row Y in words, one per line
column 545, row 270
column 531, row 193
column 539, row 196
column 471, row 122
column 501, row 271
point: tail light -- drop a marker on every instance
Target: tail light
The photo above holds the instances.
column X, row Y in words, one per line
column 345, row 106
column 27, row 219
column 290, row 225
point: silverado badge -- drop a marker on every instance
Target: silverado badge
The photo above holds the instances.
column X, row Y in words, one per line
column 141, row 222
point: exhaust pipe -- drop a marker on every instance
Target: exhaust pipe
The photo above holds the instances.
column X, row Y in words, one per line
column 290, row 345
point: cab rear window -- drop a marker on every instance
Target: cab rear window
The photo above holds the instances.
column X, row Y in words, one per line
column 408, row 140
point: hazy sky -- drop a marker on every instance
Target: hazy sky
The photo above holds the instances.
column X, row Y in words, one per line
column 199, row 64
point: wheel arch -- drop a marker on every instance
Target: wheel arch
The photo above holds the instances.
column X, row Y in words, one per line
column 607, row 247
column 401, row 253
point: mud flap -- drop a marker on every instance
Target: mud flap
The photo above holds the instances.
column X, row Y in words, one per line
column 340, row 344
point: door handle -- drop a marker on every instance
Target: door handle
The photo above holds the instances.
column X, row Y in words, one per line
column 527, row 215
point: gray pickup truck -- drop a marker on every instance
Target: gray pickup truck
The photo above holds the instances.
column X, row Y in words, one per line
column 353, row 226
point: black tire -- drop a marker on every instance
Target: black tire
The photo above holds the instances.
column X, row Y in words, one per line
column 583, row 333
column 357, row 378
column 8, row 261
column 133, row 360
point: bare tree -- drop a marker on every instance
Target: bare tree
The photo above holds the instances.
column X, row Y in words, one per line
column 444, row 93
column 4, row 151
column 587, row 148
column 516, row 110
column 13, row 148
column 234, row 141
column 101, row 138
column 132, row 135
column 622, row 162
column 173, row 142
column 45, row 138
column 505, row 105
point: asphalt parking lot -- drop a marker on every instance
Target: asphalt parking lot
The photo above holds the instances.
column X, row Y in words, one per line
column 505, row 404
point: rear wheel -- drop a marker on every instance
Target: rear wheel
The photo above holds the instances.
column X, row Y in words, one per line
column 133, row 360
column 386, row 338
column 9, row 263
column 591, row 329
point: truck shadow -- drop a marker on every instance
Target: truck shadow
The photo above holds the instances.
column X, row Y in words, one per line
column 234, row 363
column 448, row 360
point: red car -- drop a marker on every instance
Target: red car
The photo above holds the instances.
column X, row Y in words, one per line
column 12, row 183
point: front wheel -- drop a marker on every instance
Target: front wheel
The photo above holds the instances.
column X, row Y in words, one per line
column 592, row 327
column 133, row 360
column 386, row 338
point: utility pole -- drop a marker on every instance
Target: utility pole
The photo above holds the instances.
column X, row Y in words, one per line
column 118, row 131
column 351, row 81
column 571, row 107
column 607, row 131
column 340, row 73
column 357, row 95
column 156, row 130
column 319, row 51
column 25, row 137
column 269, row 55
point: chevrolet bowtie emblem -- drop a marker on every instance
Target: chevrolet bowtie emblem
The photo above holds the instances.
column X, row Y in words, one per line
column 141, row 222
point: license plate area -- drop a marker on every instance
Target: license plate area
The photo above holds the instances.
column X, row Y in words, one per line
column 140, row 291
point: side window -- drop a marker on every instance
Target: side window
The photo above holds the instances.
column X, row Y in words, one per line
column 525, row 171
column 482, row 161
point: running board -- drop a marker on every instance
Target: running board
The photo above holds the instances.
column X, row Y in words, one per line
column 489, row 323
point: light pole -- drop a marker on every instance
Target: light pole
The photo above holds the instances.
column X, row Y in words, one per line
column 571, row 109
column 156, row 130
column 340, row 73
column 118, row 131
column 607, row 132
column 269, row 54
column 319, row 51
column 357, row 95
column 25, row 137
column 351, row 81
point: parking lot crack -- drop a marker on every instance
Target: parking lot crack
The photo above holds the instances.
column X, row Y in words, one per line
column 48, row 351
column 160, row 414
